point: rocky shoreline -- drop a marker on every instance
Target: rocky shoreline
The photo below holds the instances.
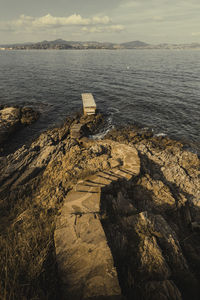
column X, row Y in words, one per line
column 146, row 214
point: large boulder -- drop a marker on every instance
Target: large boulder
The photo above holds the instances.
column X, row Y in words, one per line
column 9, row 122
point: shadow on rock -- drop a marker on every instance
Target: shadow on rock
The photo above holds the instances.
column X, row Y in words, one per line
column 149, row 224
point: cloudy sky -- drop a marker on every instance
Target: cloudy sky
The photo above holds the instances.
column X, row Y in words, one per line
column 151, row 21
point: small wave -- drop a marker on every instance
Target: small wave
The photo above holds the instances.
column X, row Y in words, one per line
column 109, row 121
column 102, row 134
column 113, row 110
column 160, row 134
column 147, row 128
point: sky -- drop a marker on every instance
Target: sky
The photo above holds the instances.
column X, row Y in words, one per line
column 118, row 21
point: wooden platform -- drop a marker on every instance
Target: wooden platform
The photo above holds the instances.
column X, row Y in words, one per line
column 89, row 105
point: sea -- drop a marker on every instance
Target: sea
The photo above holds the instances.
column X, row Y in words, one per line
column 155, row 89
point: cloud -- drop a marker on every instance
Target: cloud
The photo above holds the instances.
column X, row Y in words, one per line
column 74, row 19
column 51, row 21
column 196, row 33
column 149, row 20
column 23, row 20
column 104, row 29
column 74, row 23
column 117, row 27
column 92, row 29
column 101, row 20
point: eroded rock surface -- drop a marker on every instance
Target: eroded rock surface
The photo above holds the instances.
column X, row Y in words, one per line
column 155, row 244
column 128, row 232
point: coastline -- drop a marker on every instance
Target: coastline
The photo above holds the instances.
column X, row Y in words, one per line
column 22, row 133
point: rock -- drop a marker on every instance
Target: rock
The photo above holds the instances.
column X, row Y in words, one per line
column 75, row 131
column 9, row 122
column 161, row 290
column 27, row 175
column 127, row 212
column 11, row 119
column 195, row 226
column 92, row 123
column 144, row 244
column 98, row 149
column 165, row 197
column 129, row 134
column 85, row 262
column 28, row 115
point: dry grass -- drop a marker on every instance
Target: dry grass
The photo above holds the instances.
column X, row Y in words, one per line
column 25, row 248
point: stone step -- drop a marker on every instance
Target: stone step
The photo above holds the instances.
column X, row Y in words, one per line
column 85, row 187
column 81, row 202
column 84, row 259
column 100, row 179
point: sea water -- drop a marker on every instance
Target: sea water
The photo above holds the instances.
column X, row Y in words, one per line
column 159, row 89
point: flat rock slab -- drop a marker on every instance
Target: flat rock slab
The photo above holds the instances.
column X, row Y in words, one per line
column 84, row 258
column 79, row 202
column 85, row 261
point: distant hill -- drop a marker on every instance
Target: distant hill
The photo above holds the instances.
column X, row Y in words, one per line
column 134, row 44
column 57, row 44
column 60, row 44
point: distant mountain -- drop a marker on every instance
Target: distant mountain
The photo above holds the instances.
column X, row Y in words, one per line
column 134, row 44
column 57, row 44
column 60, row 44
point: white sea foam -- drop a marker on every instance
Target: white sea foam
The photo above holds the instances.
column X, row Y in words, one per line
column 101, row 135
column 161, row 134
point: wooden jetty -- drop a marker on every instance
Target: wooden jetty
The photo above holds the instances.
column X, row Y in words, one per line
column 89, row 105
